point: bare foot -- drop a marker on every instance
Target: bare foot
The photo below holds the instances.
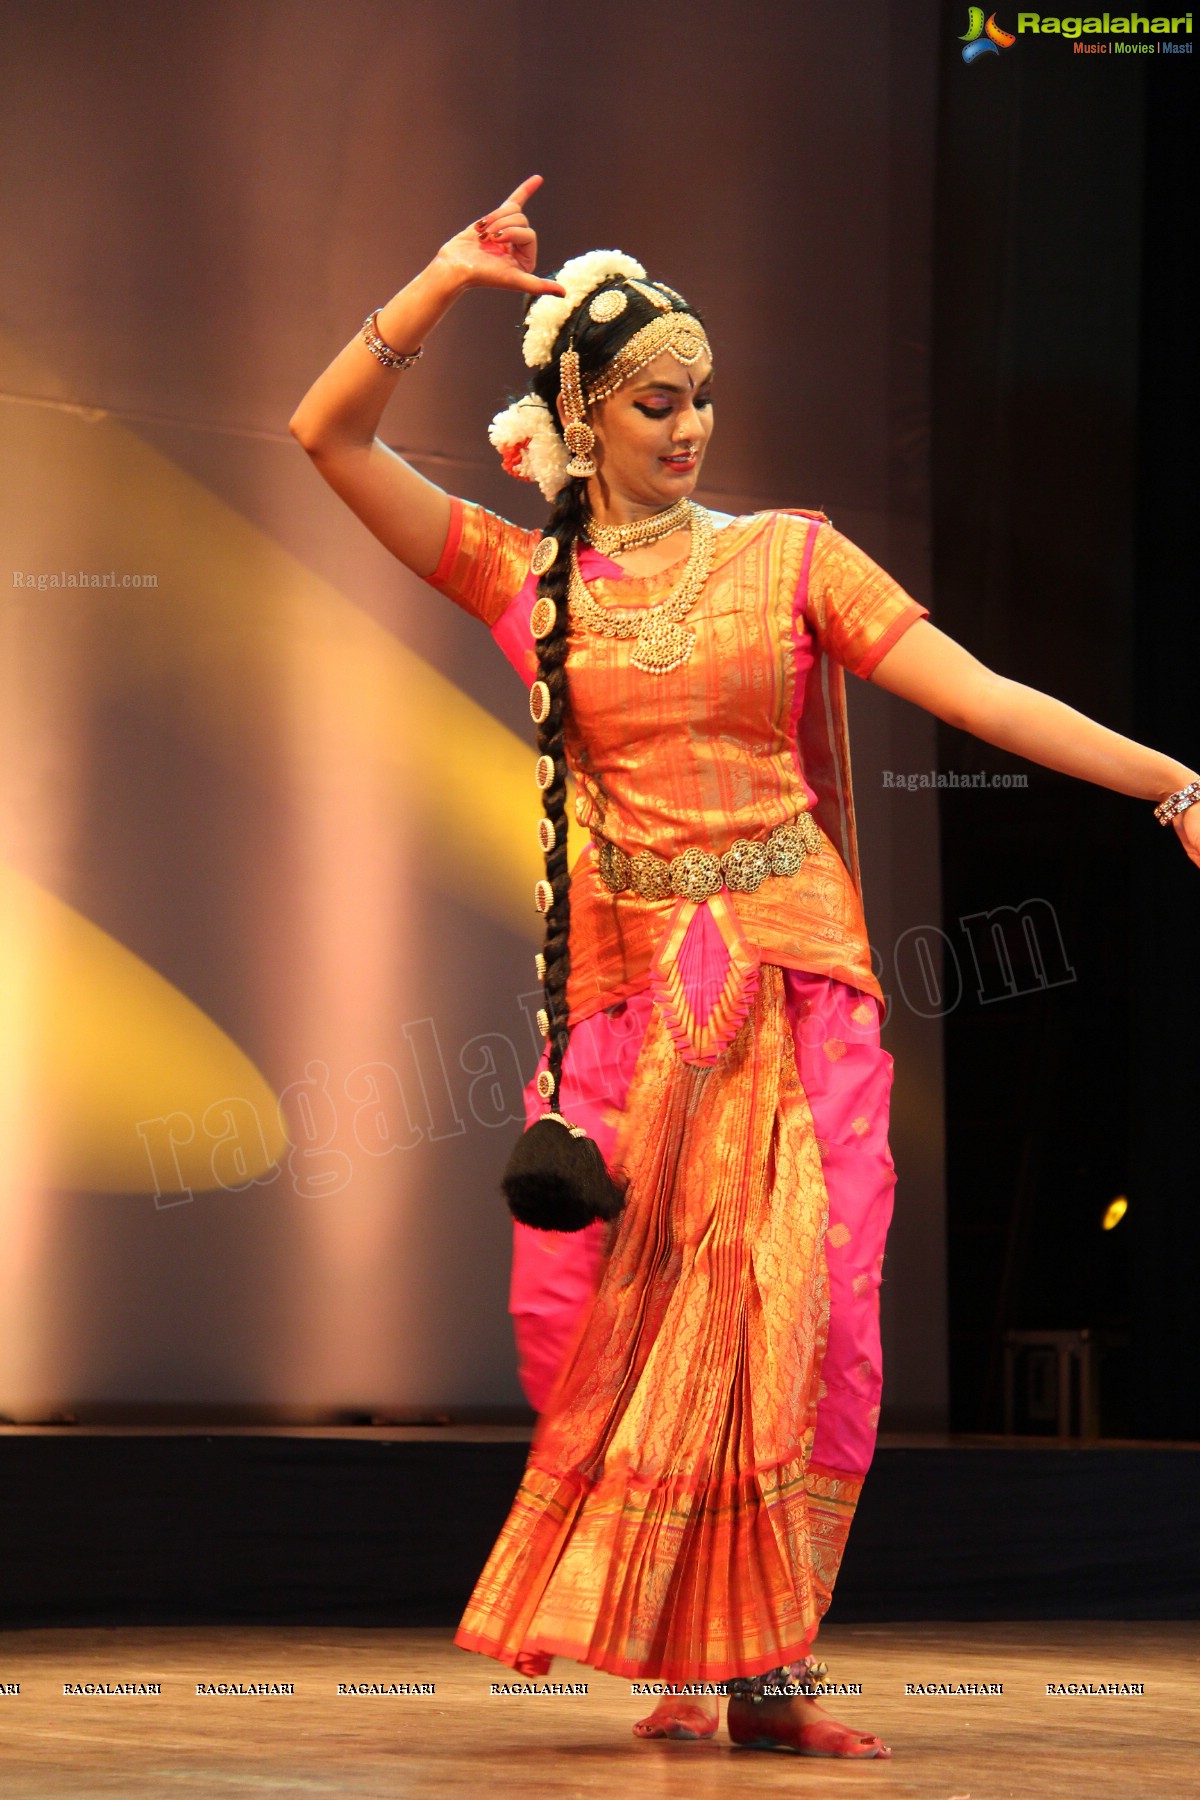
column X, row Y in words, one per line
column 801, row 1725
column 675, row 1717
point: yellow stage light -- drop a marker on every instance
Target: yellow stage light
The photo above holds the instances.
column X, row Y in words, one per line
column 98, row 1053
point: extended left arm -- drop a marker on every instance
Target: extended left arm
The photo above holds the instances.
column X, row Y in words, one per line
column 929, row 668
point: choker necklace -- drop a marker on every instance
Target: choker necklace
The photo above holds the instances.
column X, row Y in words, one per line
column 662, row 641
column 610, row 539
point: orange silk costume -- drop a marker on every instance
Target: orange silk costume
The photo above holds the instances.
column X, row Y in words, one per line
column 672, row 1521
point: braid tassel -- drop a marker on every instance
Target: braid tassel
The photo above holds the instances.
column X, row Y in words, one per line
column 557, row 1178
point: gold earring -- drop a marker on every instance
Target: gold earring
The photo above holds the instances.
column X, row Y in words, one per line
column 578, row 435
column 580, row 442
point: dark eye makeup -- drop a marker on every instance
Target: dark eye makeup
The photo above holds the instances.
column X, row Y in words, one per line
column 662, row 412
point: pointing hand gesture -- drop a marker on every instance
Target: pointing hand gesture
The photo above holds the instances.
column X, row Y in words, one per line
column 500, row 249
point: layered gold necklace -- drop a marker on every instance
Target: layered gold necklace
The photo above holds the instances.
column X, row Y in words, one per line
column 661, row 640
column 610, row 540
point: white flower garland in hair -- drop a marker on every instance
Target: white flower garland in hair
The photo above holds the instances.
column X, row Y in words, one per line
column 530, row 447
column 524, row 433
column 547, row 316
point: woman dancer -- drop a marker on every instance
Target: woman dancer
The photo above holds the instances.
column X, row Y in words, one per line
column 705, row 1360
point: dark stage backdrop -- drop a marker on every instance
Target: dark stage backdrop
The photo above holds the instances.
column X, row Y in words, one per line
column 1064, row 474
column 268, row 821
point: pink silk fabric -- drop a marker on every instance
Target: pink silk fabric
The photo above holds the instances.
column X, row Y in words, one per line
column 847, row 1078
column 746, row 735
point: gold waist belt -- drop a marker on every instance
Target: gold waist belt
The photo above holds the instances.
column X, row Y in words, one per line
column 696, row 874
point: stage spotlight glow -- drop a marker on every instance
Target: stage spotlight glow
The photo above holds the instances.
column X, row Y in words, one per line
column 101, row 1057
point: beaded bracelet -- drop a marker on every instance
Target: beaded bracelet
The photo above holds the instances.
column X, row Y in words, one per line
column 391, row 359
column 1178, row 802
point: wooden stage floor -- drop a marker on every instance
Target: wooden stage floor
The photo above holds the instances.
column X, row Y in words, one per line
column 464, row 1741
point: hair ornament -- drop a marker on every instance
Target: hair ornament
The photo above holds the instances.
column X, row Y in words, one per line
column 656, row 294
column 542, row 616
column 557, row 1119
column 608, row 305
column 550, row 312
column 526, row 433
column 539, row 702
column 545, row 552
column 556, row 1178
column 529, row 445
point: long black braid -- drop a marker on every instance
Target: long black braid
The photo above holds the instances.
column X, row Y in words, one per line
column 557, row 1179
column 565, row 524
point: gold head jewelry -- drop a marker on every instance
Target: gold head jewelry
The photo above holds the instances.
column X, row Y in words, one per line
column 608, row 305
column 655, row 295
column 675, row 332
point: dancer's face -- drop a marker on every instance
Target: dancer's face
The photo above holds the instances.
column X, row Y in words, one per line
column 651, row 435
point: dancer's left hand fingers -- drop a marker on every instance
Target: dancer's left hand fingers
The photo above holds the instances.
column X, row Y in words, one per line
column 518, row 236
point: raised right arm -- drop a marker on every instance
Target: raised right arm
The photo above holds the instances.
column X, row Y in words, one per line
column 337, row 422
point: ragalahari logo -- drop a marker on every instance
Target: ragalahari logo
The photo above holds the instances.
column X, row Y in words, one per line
column 984, row 37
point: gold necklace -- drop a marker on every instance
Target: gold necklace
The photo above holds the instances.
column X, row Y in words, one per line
column 612, row 539
column 662, row 642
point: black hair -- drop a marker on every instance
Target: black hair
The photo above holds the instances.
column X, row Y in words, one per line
column 555, row 1180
